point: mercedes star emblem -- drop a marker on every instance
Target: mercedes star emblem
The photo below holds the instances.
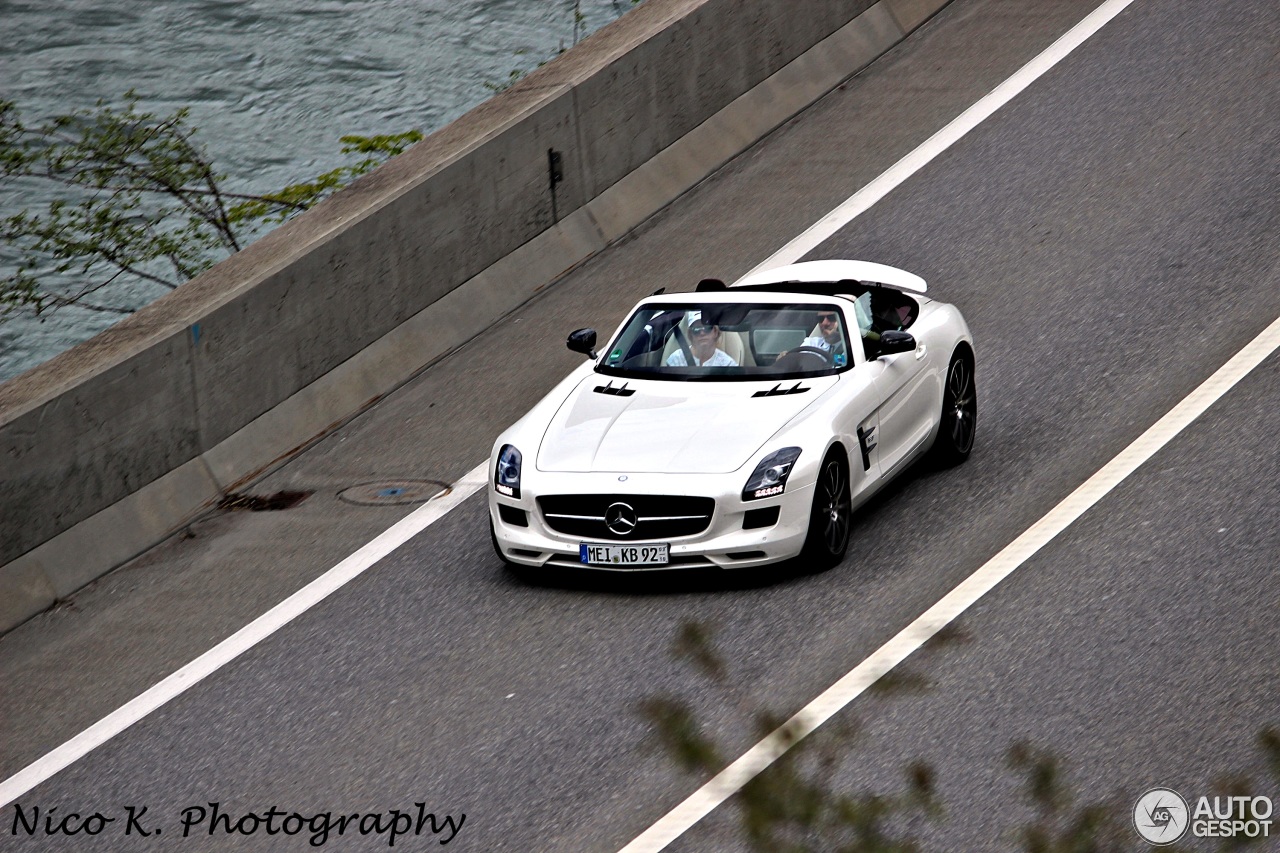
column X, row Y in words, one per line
column 620, row 518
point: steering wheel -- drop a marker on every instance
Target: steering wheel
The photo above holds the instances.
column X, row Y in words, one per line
column 799, row 355
column 824, row 354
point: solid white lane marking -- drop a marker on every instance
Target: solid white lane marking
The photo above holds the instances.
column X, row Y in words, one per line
column 244, row 639
column 270, row 622
column 730, row 780
column 890, row 179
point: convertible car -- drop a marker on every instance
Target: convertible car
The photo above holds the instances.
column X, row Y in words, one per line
column 736, row 426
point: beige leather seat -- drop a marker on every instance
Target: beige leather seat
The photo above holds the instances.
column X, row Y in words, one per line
column 734, row 344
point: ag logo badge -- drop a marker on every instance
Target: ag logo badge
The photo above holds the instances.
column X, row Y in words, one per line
column 1161, row 816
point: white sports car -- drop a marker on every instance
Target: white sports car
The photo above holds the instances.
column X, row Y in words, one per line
column 736, row 426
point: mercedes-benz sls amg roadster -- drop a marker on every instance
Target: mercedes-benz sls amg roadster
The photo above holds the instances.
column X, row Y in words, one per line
column 736, row 426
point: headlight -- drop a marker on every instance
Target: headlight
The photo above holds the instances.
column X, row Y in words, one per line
column 770, row 476
column 506, row 477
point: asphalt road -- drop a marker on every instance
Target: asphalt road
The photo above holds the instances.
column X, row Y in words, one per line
column 1110, row 236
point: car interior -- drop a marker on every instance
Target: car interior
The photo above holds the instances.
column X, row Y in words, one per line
column 761, row 338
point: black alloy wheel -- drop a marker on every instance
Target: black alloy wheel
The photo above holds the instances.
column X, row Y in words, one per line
column 959, row 422
column 831, row 515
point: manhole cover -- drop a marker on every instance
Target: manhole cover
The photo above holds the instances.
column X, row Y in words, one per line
column 392, row 492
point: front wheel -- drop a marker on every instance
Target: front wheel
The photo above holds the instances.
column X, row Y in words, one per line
column 831, row 515
column 958, row 424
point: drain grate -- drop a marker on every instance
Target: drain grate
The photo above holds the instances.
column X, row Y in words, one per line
column 393, row 492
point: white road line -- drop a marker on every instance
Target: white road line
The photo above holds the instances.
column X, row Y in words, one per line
column 730, row 780
column 844, row 690
column 244, row 639
column 886, row 182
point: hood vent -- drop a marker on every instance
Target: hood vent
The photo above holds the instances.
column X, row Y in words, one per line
column 778, row 391
column 624, row 391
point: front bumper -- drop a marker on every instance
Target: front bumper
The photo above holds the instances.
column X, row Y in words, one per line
column 723, row 544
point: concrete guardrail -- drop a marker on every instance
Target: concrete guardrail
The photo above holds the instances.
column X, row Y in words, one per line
column 112, row 446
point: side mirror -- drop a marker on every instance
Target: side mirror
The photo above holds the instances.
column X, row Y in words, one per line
column 892, row 342
column 583, row 341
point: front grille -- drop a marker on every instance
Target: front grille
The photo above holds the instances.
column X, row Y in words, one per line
column 514, row 516
column 766, row 517
column 656, row 516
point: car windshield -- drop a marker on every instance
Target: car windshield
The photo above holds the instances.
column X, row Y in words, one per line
column 728, row 341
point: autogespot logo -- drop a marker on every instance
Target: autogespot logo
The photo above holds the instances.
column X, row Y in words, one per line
column 1160, row 816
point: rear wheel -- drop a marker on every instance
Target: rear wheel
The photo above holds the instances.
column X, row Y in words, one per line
column 830, row 516
column 959, row 422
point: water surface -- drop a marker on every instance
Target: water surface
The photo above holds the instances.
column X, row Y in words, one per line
column 271, row 85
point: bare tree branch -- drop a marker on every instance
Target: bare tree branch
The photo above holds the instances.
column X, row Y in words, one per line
column 133, row 191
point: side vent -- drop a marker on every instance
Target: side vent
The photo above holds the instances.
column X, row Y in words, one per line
column 779, row 391
column 624, row 391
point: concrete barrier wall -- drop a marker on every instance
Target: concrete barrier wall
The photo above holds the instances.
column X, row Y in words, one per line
column 113, row 445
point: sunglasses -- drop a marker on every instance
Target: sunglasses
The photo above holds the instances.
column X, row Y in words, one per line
column 702, row 330
column 828, row 318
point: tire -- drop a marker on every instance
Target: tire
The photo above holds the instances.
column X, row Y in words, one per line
column 958, row 424
column 830, row 516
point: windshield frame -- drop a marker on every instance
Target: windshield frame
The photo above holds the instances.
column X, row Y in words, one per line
column 651, row 335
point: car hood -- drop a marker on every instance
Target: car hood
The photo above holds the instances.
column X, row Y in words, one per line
column 675, row 427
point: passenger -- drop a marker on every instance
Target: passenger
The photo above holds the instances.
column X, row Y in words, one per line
column 703, row 340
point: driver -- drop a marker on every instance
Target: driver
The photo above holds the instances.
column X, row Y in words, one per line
column 704, row 338
column 830, row 338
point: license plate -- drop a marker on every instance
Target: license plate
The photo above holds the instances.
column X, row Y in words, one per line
column 600, row 554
